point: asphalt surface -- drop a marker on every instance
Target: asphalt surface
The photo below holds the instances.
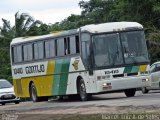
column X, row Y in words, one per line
column 110, row 100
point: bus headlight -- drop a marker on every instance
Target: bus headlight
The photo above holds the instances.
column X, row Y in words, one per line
column 145, row 80
column 107, row 86
column 104, row 84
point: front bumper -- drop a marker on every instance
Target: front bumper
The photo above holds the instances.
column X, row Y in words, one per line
column 123, row 83
column 10, row 101
column 3, row 99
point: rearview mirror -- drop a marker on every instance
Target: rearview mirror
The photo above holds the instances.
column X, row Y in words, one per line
column 148, row 44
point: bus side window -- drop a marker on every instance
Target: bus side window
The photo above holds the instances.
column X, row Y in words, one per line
column 19, row 53
column 73, row 45
column 77, row 44
column 14, row 54
column 85, row 48
column 52, row 48
column 60, row 47
column 28, row 52
column 25, row 52
column 40, row 50
column 35, row 51
column 66, row 50
column 47, row 49
column 67, row 45
column 56, row 48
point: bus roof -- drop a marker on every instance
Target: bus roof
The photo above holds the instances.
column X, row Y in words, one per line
column 93, row 28
column 111, row 26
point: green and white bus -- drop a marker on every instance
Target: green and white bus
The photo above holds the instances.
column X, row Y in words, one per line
column 93, row 59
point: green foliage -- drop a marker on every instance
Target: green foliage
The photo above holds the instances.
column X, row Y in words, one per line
column 97, row 10
column 24, row 23
column 5, row 67
column 24, row 26
column 72, row 22
column 145, row 12
column 38, row 30
column 154, row 50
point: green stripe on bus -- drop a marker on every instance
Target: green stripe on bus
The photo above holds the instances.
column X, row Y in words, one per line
column 56, row 81
column 64, row 77
column 135, row 69
column 128, row 69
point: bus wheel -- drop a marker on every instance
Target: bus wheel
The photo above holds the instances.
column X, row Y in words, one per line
column 82, row 91
column 40, row 99
column 17, row 102
column 3, row 103
column 130, row 92
column 60, row 98
column 144, row 90
column 33, row 93
column 73, row 97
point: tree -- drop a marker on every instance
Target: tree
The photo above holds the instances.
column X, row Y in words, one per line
column 6, row 29
column 97, row 10
column 24, row 26
column 23, row 23
column 42, row 29
column 145, row 12
column 72, row 22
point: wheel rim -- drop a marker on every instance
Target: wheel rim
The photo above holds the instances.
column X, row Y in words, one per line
column 34, row 94
column 82, row 90
column 143, row 90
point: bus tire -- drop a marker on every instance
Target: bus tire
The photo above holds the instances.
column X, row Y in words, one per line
column 73, row 97
column 3, row 103
column 33, row 93
column 82, row 91
column 40, row 99
column 60, row 98
column 144, row 90
column 130, row 92
column 17, row 102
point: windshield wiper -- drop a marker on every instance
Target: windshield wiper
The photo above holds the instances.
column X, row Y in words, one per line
column 134, row 60
column 115, row 56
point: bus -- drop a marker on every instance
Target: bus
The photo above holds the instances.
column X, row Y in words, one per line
column 93, row 59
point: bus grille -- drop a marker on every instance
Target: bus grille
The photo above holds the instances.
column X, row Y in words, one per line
column 122, row 75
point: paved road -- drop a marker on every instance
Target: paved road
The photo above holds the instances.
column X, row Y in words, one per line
column 110, row 100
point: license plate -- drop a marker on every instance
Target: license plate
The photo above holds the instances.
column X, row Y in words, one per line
column 107, row 87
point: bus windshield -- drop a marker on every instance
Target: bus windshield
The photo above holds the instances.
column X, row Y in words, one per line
column 120, row 48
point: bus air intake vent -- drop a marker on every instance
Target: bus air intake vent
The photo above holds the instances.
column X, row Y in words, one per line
column 118, row 75
column 132, row 74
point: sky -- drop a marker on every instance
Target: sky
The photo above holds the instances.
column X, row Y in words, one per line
column 47, row 11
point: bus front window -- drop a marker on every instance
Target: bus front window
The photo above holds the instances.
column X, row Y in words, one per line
column 134, row 47
column 107, row 50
